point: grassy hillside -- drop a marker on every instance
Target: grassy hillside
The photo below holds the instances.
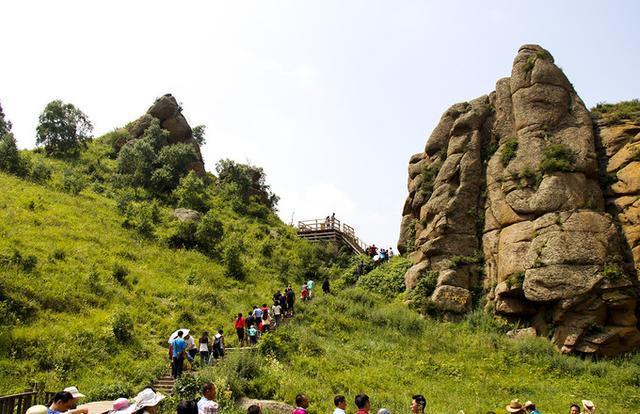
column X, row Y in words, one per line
column 74, row 282
column 356, row 341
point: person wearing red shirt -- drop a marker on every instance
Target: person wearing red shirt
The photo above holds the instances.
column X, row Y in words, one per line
column 362, row 402
column 239, row 325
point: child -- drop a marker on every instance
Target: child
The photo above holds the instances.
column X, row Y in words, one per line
column 252, row 332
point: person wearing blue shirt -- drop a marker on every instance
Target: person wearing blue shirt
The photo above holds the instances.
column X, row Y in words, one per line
column 179, row 346
column 531, row 408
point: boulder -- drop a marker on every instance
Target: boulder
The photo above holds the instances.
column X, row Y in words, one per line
column 553, row 258
column 186, row 215
column 267, row 406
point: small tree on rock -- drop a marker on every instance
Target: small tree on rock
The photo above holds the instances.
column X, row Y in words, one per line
column 191, row 193
column 62, row 128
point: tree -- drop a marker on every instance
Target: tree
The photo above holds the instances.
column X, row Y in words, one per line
column 198, row 132
column 62, row 128
column 5, row 125
column 246, row 182
column 10, row 159
column 209, row 233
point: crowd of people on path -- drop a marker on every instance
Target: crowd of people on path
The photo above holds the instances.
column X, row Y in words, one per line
column 379, row 256
column 148, row 401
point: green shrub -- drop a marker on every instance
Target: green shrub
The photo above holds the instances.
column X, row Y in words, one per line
column 120, row 273
column 234, row 267
column 142, row 217
column 429, row 174
column 557, row 157
column 10, row 159
column 26, row 263
column 191, row 193
column 508, row 151
column 57, row 254
column 617, row 112
column 209, row 233
column 122, row 327
column 73, row 181
column 40, row 171
column 181, row 234
column 386, row 279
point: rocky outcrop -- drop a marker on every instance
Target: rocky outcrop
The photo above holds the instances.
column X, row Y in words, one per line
column 266, row 406
column 186, row 215
column 505, row 202
column 167, row 110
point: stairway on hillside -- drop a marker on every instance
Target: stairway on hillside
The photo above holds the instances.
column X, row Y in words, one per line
column 164, row 384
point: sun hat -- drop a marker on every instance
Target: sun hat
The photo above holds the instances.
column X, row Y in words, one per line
column 37, row 409
column 383, row 411
column 74, row 392
column 122, row 406
column 589, row 406
column 529, row 404
column 514, row 407
column 147, row 398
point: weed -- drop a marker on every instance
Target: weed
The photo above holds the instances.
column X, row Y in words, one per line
column 508, row 151
column 557, row 157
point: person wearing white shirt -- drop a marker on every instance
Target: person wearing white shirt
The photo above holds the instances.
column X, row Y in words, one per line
column 341, row 404
column 207, row 404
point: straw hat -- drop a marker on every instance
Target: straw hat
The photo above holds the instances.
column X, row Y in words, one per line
column 515, row 406
column 529, row 404
column 74, row 392
column 589, row 407
column 37, row 409
column 147, row 398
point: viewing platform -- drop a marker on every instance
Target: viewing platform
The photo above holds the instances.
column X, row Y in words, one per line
column 331, row 229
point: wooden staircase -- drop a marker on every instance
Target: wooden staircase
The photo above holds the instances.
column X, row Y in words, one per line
column 331, row 229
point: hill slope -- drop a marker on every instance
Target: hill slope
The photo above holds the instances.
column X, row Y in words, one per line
column 74, row 282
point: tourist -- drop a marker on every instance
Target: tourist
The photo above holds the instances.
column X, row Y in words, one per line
column 187, row 407
column 147, row 400
column 76, row 398
column 37, row 409
column 390, row 252
column 341, row 404
column 291, row 298
column 385, row 411
column 61, row 403
column 310, row 285
column 326, row 288
column 257, row 313
column 249, row 320
column 360, row 268
column 204, row 344
column 191, row 348
column 304, row 293
column 218, row 345
column 207, row 404
column 283, row 304
column 418, row 404
column 531, row 408
column 266, row 322
column 574, row 409
column 179, row 347
column 276, row 310
column 239, row 325
column 589, row 407
column 362, row 402
column 302, row 403
column 515, row 406
column 252, row 333
column 254, row 409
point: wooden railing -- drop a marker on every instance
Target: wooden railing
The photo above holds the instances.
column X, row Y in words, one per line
column 328, row 225
column 19, row 403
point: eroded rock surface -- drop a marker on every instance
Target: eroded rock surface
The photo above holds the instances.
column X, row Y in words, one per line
column 506, row 202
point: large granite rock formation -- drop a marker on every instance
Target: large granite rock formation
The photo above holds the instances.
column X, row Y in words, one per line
column 167, row 110
column 505, row 204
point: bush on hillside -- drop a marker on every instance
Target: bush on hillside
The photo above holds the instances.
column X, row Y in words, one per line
column 62, row 128
column 10, row 159
column 209, row 233
column 72, row 181
column 142, row 216
column 239, row 182
column 40, row 171
column 386, row 279
column 122, row 327
column 234, row 266
column 192, row 193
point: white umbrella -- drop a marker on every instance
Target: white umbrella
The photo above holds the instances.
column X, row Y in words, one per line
column 98, row 407
column 174, row 335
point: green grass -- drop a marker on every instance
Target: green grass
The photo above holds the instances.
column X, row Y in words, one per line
column 617, row 112
column 557, row 157
column 357, row 342
column 508, row 151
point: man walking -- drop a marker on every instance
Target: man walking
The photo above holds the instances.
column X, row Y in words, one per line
column 362, row 402
column 179, row 346
column 341, row 404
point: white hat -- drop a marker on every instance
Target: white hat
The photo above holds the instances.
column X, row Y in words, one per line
column 37, row 409
column 589, row 406
column 147, row 398
column 122, row 406
column 74, row 392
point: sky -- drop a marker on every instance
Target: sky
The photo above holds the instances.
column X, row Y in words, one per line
column 330, row 97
